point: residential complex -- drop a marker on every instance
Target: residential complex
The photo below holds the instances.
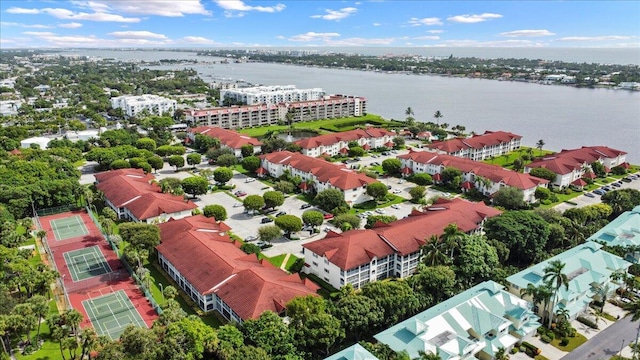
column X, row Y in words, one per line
column 358, row 257
column 209, row 266
column 228, row 138
column 135, row 196
column 623, row 231
column 133, row 105
column 471, row 325
column 479, row 147
column 487, row 178
column 572, row 165
column 587, row 267
column 270, row 95
column 338, row 143
column 317, row 175
column 354, row 352
column 330, row 107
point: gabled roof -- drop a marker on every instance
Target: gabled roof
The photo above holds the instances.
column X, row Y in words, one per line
column 567, row 161
column 488, row 139
column 154, row 204
column 622, row 231
column 325, row 172
column 351, row 249
column 203, row 253
column 228, row 138
column 353, row 352
column 330, row 139
column 494, row 173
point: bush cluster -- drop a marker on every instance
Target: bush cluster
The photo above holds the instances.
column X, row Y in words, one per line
column 587, row 322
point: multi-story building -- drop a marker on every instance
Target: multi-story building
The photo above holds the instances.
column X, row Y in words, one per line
column 479, row 147
column 317, row 174
column 338, row 143
column 134, row 196
column 587, row 268
column 623, row 231
column 471, row 325
column 358, row 257
column 270, row 95
column 487, row 178
column 199, row 256
column 133, row 105
column 572, row 165
column 228, row 138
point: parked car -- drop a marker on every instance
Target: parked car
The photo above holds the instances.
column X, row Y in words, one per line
column 380, row 211
column 328, row 216
column 266, row 220
column 589, row 195
column 627, row 179
column 326, row 229
column 250, row 180
column 305, row 206
column 237, row 205
column 598, row 192
column 251, row 238
column 281, row 213
column 395, row 206
column 389, row 187
column 240, row 193
column 402, row 181
column 262, row 244
column 396, row 191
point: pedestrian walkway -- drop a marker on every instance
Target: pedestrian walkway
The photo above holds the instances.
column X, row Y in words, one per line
column 283, row 266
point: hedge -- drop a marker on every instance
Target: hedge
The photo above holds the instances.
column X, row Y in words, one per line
column 587, row 322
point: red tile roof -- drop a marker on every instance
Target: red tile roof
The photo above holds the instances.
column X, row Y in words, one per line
column 154, row 204
column 567, row 161
column 228, row 138
column 203, row 253
column 330, row 139
column 489, row 138
column 325, row 172
column 494, row 173
column 357, row 247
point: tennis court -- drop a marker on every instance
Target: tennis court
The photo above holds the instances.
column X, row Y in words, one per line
column 69, row 227
column 86, row 263
column 110, row 314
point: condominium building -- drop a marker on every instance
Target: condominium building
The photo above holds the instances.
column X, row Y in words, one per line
column 479, row 147
column 228, row 138
column 271, row 95
column 623, row 231
column 133, row 105
column 338, row 143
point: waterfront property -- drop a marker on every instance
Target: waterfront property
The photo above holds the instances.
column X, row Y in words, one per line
column 486, row 178
column 353, row 352
column 587, row 267
column 270, row 95
column 474, row 324
column 317, row 175
column 133, row 105
column 209, row 266
column 338, row 143
column 571, row 165
column 624, row 231
column 228, row 138
column 358, row 257
column 134, row 196
column 479, row 147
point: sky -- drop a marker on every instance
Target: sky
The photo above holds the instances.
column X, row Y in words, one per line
column 300, row 24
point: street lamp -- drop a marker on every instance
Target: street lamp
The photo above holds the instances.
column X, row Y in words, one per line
column 162, row 291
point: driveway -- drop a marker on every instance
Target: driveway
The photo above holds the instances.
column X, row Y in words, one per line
column 243, row 225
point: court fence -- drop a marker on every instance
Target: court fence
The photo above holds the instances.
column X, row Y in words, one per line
column 57, row 209
column 96, row 281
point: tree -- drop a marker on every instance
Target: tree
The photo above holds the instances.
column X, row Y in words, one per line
column 284, row 187
column 140, row 235
column 622, row 200
column 253, row 202
column 273, row 199
column 373, row 219
column 417, row 193
column 216, row 211
column 139, row 343
column 352, row 221
column 214, row 153
column 510, row 198
column 314, row 329
column 392, row 166
column 177, row 161
column 171, row 185
column 433, row 283
column 222, row 175
column 598, row 169
column 450, row 174
column 433, row 252
column 603, row 292
column 501, row 354
column 524, row 233
column 452, row 237
column 377, row 190
column 195, row 185
column 119, row 164
column 156, row 162
column 396, row 298
column 518, row 164
column 356, row 151
column 251, row 163
column 553, row 273
column 539, row 295
column 269, row 233
column 289, row 223
column 422, row 179
column 189, row 338
column 203, row 143
column 194, row 159
column 476, row 261
column 146, row 143
column 270, row 333
column 330, row 200
column 398, row 142
column 543, row 173
column 359, row 315
column 227, row 160
column 312, row 218
column 542, row 193
column 246, row 150
column 539, row 145
column 438, row 115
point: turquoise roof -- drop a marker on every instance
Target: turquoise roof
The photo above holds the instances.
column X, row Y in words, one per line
column 622, row 231
column 463, row 325
column 585, row 265
column 353, row 352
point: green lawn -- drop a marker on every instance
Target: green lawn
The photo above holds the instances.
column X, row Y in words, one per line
column 574, row 342
column 50, row 350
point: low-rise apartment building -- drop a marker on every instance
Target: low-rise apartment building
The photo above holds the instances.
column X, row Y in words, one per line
column 133, row 105
column 338, row 143
column 623, row 231
column 228, row 138
column 479, row 147
column 271, row 95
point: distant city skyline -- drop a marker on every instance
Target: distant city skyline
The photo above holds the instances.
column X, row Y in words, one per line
column 309, row 24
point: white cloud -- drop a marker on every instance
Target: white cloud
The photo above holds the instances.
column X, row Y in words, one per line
column 238, row 5
column 136, row 35
column 156, row 7
column 360, row 41
column 313, row 36
column 17, row 10
column 71, row 25
column 54, row 40
column 527, row 33
column 435, row 31
column 474, row 18
column 197, row 40
column 7, row 41
column 596, row 38
column 336, row 14
column 434, row 37
column 376, row 24
column 26, row 26
column 500, row 43
column 38, row 33
column 430, row 21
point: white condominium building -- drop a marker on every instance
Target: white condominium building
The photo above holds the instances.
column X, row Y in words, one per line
column 271, row 95
column 132, row 105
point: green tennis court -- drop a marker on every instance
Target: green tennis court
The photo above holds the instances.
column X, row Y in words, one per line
column 86, row 263
column 110, row 314
column 69, row 227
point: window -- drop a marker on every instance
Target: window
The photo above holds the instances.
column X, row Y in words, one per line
column 326, row 270
column 315, row 263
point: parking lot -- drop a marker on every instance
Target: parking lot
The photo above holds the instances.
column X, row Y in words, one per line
column 584, row 200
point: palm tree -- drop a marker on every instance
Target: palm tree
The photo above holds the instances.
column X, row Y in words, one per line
column 602, row 292
column 452, row 237
column 633, row 310
column 562, row 314
column 501, row 354
column 434, row 255
column 427, row 356
column 553, row 273
column 539, row 145
column 438, row 115
column 539, row 295
column 409, row 111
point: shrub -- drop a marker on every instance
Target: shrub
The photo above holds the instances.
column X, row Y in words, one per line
column 564, row 341
column 531, row 349
column 514, row 350
column 587, row 322
column 545, row 339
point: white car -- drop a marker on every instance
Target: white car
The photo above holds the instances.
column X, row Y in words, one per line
column 396, row 191
column 237, row 205
column 402, row 181
column 395, row 206
column 380, row 211
column 251, row 238
column 250, row 180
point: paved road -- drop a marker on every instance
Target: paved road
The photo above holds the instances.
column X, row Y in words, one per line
column 607, row 343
